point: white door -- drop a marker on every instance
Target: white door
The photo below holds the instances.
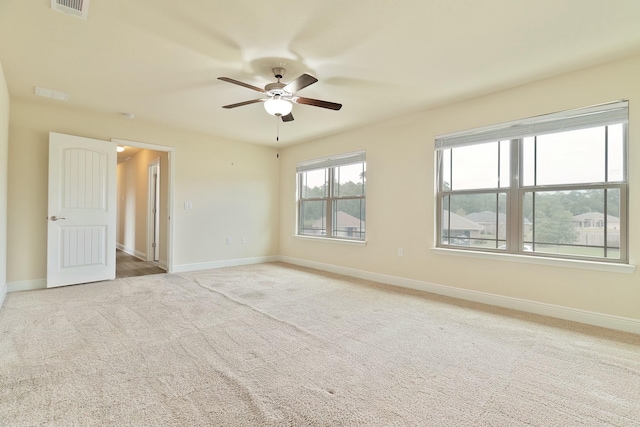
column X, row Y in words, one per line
column 81, row 244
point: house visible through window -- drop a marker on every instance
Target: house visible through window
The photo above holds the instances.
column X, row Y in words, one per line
column 331, row 197
column 552, row 185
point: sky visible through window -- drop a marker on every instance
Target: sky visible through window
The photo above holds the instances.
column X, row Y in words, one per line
column 562, row 158
column 348, row 173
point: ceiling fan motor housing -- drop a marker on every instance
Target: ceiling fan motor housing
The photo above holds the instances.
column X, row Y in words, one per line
column 276, row 89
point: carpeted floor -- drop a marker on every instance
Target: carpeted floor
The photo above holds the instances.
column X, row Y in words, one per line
column 276, row 345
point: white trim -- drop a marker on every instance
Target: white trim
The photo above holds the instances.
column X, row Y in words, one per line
column 183, row 268
column 3, row 294
column 332, row 161
column 162, row 264
column 556, row 262
column 143, row 145
column 331, row 240
column 153, row 228
column 27, row 285
column 561, row 312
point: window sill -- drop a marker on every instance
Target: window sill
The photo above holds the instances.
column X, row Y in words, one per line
column 558, row 262
column 331, row 240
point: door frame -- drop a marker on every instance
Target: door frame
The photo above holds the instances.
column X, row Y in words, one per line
column 153, row 209
column 170, row 188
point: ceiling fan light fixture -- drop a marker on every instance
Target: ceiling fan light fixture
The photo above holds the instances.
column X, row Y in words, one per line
column 278, row 107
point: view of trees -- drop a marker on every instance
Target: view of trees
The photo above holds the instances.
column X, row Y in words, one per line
column 314, row 210
column 554, row 210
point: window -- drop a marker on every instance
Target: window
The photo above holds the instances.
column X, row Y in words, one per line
column 553, row 185
column 331, row 197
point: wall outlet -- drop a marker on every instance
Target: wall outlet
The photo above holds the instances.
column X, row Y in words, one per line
column 400, row 252
column 188, row 205
column 243, row 240
column 229, row 240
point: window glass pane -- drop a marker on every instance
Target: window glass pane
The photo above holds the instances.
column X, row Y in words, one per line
column 505, row 157
column 349, row 218
column 446, row 170
column 444, row 224
column 615, row 150
column 570, row 157
column 477, row 220
column 502, row 217
column 527, row 220
column 573, row 222
column 528, row 161
column 613, row 223
column 349, row 180
column 313, row 219
column 314, row 183
column 475, row 166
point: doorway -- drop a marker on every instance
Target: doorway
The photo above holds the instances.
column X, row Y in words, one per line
column 144, row 187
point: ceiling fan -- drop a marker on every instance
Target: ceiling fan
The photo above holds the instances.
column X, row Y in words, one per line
column 281, row 97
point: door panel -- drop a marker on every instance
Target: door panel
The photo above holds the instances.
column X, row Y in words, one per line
column 81, row 221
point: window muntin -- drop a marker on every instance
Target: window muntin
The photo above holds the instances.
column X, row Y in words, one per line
column 544, row 189
column 331, row 197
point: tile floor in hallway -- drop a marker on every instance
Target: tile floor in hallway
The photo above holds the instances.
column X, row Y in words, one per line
column 130, row 266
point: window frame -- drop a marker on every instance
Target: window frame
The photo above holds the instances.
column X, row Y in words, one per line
column 515, row 192
column 330, row 165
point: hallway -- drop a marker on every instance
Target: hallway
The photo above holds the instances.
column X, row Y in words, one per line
column 130, row 266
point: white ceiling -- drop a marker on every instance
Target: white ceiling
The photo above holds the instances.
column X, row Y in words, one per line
column 160, row 59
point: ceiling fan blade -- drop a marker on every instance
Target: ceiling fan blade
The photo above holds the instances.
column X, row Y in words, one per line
column 236, row 82
column 240, row 104
column 287, row 118
column 300, row 83
column 317, row 103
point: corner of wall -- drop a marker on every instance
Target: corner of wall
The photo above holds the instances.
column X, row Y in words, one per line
column 4, row 167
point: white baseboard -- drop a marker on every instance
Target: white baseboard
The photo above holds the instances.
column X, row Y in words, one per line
column 561, row 312
column 163, row 264
column 27, row 285
column 3, row 294
column 132, row 251
column 183, row 268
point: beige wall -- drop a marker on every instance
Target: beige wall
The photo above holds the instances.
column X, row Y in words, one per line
column 233, row 187
column 4, row 155
column 243, row 190
column 401, row 202
column 133, row 198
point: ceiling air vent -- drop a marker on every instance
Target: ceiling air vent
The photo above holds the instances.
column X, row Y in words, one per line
column 79, row 8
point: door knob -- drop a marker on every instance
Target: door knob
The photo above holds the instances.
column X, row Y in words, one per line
column 55, row 218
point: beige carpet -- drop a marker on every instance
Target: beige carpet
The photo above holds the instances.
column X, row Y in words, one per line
column 276, row 345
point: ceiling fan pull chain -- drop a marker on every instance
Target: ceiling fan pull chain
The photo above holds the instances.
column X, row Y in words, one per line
column 277, row 129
